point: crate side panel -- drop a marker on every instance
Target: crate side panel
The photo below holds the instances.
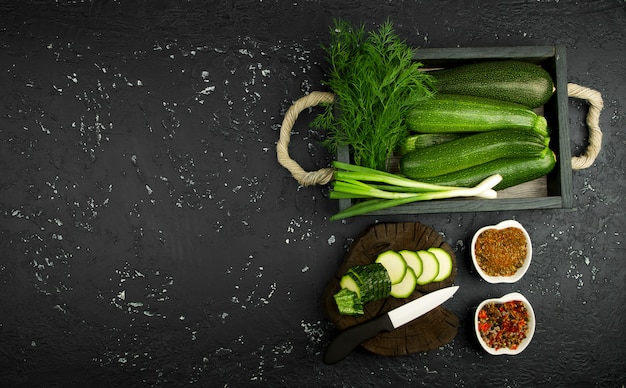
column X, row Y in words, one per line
column 565, row 153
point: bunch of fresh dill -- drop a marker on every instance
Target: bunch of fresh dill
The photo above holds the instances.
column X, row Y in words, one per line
column 375, row 82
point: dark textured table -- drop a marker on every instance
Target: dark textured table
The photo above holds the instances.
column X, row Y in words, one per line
column 150, row 238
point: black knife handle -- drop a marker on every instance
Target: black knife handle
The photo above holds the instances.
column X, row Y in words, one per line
column 346, row 341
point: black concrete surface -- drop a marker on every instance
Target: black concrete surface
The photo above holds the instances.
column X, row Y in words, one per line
column 150, row 238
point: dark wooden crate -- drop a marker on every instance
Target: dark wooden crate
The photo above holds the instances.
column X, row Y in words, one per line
column 551, row 192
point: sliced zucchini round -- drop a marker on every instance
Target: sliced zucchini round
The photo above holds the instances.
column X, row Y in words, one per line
column 405, row 287
column 413, row 261
column 445, row 263
column 350, row 284
column 430, row 267
column 394, row 264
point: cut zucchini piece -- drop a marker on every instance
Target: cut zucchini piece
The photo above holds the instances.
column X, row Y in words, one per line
column 370, row 281
column 413, row 261
column 394, row 264
column 445, row 263
column 350, row 284
column 430, row 267
column 406, row 286
column 348, row 302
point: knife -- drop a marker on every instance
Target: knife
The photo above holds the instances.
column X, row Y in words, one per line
column 346, row 341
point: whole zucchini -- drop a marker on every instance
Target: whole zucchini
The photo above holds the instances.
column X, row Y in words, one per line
column 422, row 140
column 513, row 170
column 451, row 113
column 515, row 81
column 470, row 151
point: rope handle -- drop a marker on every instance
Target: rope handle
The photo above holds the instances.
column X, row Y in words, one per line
column 594, row 98
column 325, row 175
column 305, row 178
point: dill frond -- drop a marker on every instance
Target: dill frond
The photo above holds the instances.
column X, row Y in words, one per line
column 376, row 82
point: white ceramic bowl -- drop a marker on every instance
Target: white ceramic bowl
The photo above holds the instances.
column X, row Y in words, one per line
column 531, row 324
column 521, row 271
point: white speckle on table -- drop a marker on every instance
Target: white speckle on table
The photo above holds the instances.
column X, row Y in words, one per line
column 44, row 129
column 587, row 187
column 284, row 348
column 59, row 308
column 296, row 225
column 245, row 52
column 313, row 331
column 572, row 273
column 208, row 90
column 332, row 239
column 223, row 351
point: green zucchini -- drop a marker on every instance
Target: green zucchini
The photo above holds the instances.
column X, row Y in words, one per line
column 470, row 151
column 426, row 139
column 513, row 170
column 370, row 282
column 451, row 113
column 514, row 81
column 348, row 302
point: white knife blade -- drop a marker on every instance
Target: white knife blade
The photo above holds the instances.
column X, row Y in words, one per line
column 346, row 341
column 420, row 306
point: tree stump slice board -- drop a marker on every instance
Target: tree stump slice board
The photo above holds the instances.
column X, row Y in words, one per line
column 430, row 331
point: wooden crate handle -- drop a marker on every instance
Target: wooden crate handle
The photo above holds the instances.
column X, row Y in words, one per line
column 305, row 178
column 594, row 98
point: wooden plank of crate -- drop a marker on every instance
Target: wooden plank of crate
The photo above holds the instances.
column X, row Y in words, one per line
column 563, row 140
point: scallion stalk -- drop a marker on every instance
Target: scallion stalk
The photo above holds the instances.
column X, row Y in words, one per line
column 356, row 182
column 368, row 191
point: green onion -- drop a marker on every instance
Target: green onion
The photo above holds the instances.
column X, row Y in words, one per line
column 365, row 183
column 367, row 191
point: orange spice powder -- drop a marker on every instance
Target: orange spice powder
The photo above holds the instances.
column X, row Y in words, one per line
column 501, row 252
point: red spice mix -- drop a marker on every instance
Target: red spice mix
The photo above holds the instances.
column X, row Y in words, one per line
column 503, row 325
column 501, row 252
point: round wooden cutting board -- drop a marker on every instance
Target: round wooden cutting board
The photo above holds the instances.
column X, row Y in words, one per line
column 428, row 332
